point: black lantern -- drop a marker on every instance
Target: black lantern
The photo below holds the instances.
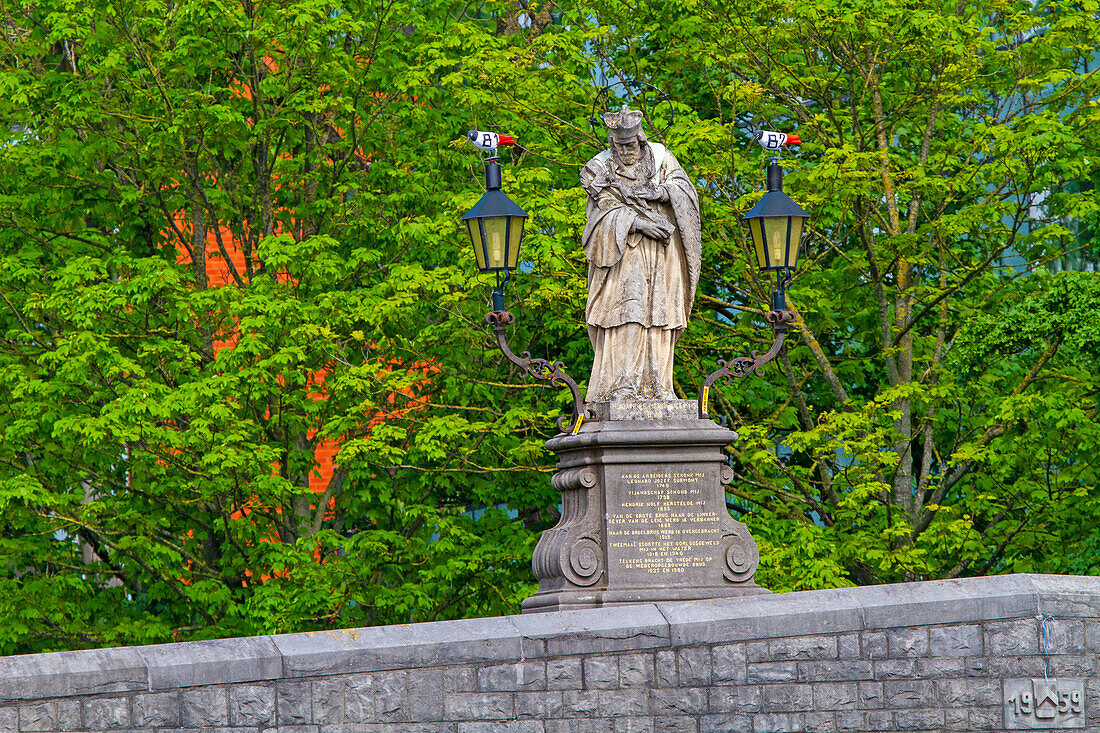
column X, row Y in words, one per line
column 496, row 226
column 776, row 224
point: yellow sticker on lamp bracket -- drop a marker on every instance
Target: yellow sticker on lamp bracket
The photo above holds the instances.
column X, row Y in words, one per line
column 577, row 425
column 706, row 405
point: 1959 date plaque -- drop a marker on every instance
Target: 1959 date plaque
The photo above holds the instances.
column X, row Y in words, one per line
column 1044, row 704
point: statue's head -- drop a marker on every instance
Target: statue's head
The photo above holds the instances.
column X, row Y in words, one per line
column 624, row 135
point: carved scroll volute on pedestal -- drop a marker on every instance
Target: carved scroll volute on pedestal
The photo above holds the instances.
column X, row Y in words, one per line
column 738, row 546
column 573, row 549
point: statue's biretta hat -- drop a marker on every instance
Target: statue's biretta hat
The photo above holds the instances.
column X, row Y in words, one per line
column 624, row 125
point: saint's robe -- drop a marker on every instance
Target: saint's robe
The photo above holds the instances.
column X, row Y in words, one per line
column 640, row 290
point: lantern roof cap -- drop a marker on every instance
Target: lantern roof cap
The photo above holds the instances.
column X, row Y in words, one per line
column 776, row 203
column 494, row 203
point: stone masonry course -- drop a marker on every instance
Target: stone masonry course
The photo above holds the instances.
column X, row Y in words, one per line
column 986, row 654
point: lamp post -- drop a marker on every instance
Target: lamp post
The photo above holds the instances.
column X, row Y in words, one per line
column 776, row 224
column 495, row 224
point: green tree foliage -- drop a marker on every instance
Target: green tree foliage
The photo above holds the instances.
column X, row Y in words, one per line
column 940, row 144
column 934, row 415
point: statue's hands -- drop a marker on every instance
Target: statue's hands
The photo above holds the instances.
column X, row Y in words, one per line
column 651, row 193
column 652, row 230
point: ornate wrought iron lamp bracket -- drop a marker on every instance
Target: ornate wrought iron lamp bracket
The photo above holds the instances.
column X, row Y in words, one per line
column 538, row 368
column 743, row 366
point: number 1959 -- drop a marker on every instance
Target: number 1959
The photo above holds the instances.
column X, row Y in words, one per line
column 1023, row 702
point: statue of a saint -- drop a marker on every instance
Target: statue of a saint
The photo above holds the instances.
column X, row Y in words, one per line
column 643, row 245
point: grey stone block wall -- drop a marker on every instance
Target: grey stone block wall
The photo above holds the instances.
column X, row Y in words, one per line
column 912, row 657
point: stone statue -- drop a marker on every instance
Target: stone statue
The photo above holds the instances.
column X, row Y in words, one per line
column 644, row 515
column 642, row 241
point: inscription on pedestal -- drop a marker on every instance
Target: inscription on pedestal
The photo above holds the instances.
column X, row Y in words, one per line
column 663, row 527
column 643, row 410
column 644, row 515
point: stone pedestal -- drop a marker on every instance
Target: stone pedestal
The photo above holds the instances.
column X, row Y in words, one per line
column 644, row 514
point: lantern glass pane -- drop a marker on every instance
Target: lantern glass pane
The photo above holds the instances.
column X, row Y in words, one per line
column 515, row 234
column 775, row 229
column 475, row 238
column 495, row 229
column 758, row 242
column 797, row 223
